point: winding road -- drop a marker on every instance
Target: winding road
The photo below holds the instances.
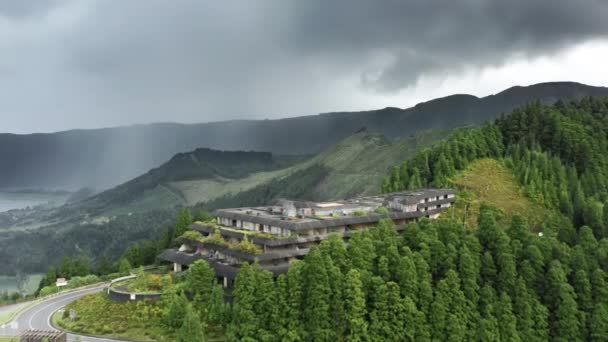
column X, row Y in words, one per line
column 39, row 316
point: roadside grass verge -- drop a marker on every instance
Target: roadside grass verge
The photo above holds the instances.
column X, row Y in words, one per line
column 96, row 315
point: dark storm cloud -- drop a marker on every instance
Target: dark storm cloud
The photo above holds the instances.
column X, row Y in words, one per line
column 88, row 63
column 443, row 35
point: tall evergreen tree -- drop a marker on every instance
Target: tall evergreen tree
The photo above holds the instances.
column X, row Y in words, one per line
column 124, row 267
column 217, row 308
column 425, row 290
column 244, row 324
column 469, row 273
column 266, row 309
column 175, row 309
column 201, row 278
column 317, row 299
column 184, row 219
column 291, row 292
column 508, row 323
column 522, row 308
column 192, row 329
column 598, row 326
column 356, row 323
column 565, row 324
column 104, row 266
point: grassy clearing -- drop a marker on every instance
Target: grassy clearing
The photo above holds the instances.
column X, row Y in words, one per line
column 488, row 181
column 9, row 339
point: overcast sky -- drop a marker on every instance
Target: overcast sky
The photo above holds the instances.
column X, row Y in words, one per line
column 97, row 63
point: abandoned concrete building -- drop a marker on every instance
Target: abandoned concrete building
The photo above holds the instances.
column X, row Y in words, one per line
column 276, row 235
column 43, row 336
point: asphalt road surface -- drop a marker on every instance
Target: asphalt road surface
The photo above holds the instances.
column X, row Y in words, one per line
column 11, row 308
column 39, row 316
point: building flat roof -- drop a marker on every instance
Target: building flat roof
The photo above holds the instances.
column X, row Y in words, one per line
column 268, row 215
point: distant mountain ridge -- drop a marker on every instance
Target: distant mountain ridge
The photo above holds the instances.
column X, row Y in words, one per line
column 102, row 158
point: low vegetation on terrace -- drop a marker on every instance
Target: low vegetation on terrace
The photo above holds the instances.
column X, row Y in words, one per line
column 216, row 238
column 211, row 223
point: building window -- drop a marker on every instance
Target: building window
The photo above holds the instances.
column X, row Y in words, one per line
column 234, row 223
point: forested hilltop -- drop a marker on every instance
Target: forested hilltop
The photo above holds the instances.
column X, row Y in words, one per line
column 442, row 280
column 559, row 154
column 445, row 281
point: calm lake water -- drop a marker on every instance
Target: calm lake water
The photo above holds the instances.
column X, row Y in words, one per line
column 9, row 283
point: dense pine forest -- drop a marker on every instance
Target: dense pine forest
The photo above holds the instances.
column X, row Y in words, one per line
column 442, row 281
column 438, row 280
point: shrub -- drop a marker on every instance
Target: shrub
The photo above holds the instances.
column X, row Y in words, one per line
column 124, row 267
column 193, row 235
column 82, row 281
column 107, row 277
column 48, row 290
column 360, row 213
column 216, row 238
column 247, row 246
column 381, row 211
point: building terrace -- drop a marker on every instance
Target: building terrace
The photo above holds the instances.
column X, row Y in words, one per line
column 276, row 235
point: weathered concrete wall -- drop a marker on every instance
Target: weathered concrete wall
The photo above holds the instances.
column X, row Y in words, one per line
column 122, row 297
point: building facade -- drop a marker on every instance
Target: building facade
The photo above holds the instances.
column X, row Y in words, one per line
column 277, row 235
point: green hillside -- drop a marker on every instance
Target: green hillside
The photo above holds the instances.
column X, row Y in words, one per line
column 356, row 166
column 176, row 182
column 105, row 224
